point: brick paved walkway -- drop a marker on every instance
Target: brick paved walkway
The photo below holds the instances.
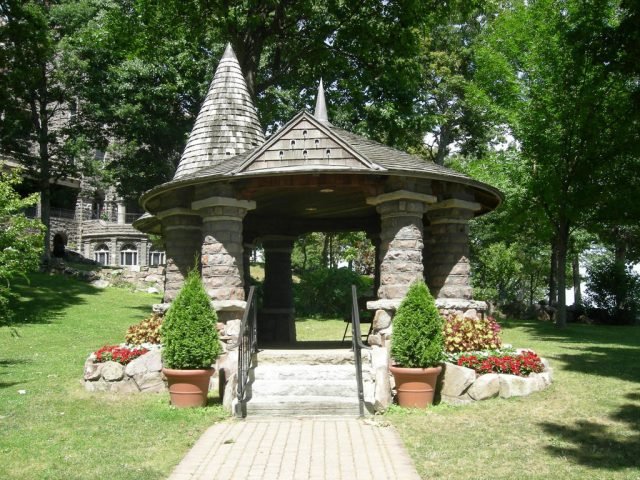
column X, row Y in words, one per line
column 310, row 448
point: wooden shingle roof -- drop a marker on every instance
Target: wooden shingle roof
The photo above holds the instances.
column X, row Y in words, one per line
column 227, row 124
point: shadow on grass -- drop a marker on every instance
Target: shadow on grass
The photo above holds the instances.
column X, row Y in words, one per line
column 6, row 364
column 606, row 351
column 44, row 297
column 603, row 361
column 578, row 333
column 595, row 445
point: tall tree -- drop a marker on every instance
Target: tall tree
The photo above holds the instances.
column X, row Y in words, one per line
column 550, row 65
column 142, row 68
column 36, row 112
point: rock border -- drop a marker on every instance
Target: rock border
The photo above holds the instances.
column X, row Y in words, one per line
column 460, row 385
column 144, row 374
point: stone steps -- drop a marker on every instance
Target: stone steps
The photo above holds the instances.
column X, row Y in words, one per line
column 303, row 383
column 303, row 405
column 296, row 372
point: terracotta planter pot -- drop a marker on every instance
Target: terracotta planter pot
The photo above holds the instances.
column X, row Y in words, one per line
column 416, row 386
column 188, row 388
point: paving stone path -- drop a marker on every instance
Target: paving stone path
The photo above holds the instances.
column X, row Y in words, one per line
column 307, row 448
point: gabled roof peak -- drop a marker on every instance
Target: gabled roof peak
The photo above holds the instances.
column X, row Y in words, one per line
column 320, row 112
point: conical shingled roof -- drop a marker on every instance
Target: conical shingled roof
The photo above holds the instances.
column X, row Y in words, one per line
column 227, row 124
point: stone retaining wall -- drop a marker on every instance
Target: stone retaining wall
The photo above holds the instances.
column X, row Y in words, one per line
column 149, row 279
column 144, row 374
column 380, row 342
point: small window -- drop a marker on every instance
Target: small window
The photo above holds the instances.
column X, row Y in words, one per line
column 281, row 154
column 101, row 255
column 305, row 154
column 128, row 255
column 293, row 144
column 317, row 143
column 328, row 153
column 304, row 134
column 156, row 258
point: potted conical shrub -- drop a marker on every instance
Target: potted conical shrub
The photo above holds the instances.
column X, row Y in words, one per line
column 190, row 344
column 417, row 347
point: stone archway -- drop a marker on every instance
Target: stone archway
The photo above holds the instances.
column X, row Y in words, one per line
column 59, row 243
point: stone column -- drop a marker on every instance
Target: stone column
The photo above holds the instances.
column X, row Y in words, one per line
column 222, row 247
column 375, row 241
column 143, row 261
column 447, row 249
column 114, row 252
column 246, row 264
column 181, row 230
column 401, row 240
column 277, row 317
column 122, row 213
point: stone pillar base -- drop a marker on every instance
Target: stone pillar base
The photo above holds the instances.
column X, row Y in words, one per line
column 276, row 325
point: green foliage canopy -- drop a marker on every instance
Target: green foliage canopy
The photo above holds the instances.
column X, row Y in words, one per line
column 20, row 239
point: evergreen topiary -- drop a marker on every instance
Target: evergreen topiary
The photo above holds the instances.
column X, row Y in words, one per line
column 418, row 340
column 189, row 333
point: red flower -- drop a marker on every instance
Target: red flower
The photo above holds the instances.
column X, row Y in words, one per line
column 522, row 364
column 116, row 353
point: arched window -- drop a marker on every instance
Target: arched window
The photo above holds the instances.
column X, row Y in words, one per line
column 128, row 255
column 156, row 258
column 101, row 254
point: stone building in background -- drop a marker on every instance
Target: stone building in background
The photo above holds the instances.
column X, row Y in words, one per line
column 94, row 222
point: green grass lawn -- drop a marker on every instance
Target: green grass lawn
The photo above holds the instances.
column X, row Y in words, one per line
column 56, row 429
column 314, row 329
column 585, row 426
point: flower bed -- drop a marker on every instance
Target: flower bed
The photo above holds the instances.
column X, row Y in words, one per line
column 122, row 354
column 474, row 376
column 125, row 368
column 521, row 365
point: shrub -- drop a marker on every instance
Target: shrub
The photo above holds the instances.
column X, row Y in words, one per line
column 615, row 287
column 327, row 292
column 418, row 339
column 467, row 335
column 147, row 331
column 189, row 328
column 118, row 353
column 522, row 365
column 21, row 240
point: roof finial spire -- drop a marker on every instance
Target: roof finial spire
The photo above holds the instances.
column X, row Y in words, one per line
column 228, row 52
column 320, row 112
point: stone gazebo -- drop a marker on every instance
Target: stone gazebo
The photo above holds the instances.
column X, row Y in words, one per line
column 234, row 189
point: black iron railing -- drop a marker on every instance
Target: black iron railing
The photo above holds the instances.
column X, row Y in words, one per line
column 247, row 347
column 358, row 346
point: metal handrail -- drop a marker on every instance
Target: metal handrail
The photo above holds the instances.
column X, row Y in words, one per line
column 247, row 347
column 358, row 346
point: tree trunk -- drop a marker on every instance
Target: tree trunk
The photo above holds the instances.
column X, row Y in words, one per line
column 41, row 123
column 331, row 259
column 443, row 142
column 531, row 280
column 304, row 254
column 562, row 248
column 325, row 251
column 620, row 258
column 577, row 292
column 553, row 272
